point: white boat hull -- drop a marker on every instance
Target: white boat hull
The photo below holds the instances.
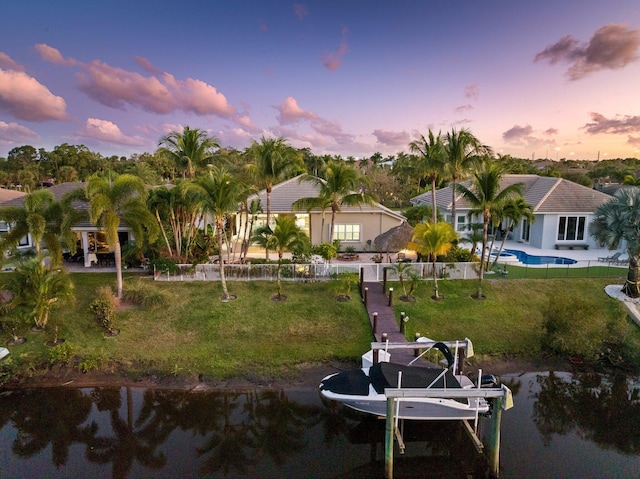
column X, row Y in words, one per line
column 423, row 408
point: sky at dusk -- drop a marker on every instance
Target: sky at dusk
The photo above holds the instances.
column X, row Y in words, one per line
column 556, row 79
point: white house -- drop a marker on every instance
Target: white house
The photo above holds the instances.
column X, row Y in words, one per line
column 562, row 211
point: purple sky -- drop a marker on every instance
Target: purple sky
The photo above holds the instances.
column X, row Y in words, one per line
column 557, row 79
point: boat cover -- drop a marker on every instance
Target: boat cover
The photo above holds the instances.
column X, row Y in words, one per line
column 385, row 375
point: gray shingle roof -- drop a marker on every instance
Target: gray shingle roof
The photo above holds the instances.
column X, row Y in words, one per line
column 545, row 194
column 284, row 194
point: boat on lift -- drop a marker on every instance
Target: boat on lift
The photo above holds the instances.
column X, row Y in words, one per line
column 364, row 390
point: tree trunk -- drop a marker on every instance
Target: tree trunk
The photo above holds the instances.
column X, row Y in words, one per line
column 223, row 279
column 118, row 256
column 436, row 291
column 630, row 287
column 434, row 210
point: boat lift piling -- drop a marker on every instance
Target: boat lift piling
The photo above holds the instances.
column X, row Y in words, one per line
column 502, row 400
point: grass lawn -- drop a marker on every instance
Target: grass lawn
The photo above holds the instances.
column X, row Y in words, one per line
column 510, row 320
column 198, row 334
column 255, row 337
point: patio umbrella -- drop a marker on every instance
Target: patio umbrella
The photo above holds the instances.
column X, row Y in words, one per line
column 394, row 239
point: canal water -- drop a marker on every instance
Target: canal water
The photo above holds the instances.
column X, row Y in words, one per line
column 580, row 426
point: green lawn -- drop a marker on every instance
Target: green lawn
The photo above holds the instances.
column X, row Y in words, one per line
column 510, row 320
column 255, row 337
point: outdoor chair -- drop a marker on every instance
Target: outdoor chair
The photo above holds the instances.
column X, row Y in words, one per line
column 611, row 259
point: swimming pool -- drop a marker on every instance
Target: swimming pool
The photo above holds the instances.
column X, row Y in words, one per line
column 531, row 259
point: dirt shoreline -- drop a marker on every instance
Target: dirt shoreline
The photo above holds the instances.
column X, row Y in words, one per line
column 304, row 376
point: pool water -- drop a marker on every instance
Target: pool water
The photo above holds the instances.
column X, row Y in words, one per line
column 531, row 259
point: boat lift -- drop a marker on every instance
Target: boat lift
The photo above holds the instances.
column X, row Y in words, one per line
column 501, row 396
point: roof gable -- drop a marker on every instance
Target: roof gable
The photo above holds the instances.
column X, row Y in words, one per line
column 284, row 194
column 545, row 194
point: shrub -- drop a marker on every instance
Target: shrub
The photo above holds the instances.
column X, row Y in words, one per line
column 103, row 307
column 164, row 265
column 146, row 295
column 62, row 353
column 326, row 250
column 346, row 281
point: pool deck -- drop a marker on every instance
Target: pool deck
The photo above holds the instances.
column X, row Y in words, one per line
column 576, row 254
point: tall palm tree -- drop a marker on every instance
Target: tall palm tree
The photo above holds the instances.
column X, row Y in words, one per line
column 115, row 199
column 514, row 211
column 47, row 221
column 188, row 149
column 618, row 222
column 273, row 160
column 433, row 240
column 431, row 155
column 218, row 193
column 338, row 188
column 286, row 236
column 486, row 197
column 463, row 150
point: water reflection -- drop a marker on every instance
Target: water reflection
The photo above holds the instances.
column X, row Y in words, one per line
column 602, row 409
column 118, row 433
column 566, row 426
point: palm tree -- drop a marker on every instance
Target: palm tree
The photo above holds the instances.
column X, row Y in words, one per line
column 486, row 198
column 45, row 219
column 38, row 287
column 463, row 150
column 514, row 210
column 217, row 193
column 121, row 199
column 188, row 149
column 618, row 222
column 431, row 163
column 433, row 239
column 338, row 188
column 286, row 236
column 273, row 160
column 177, row 209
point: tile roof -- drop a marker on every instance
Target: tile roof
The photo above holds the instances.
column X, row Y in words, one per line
column 284, row 194
column 9, row 195
column 545, row 194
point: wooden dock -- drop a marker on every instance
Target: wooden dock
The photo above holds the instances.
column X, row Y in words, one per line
column 377, row 303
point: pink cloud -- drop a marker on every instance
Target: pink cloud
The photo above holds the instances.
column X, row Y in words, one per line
column 300, row 10
column 12, row 132
column 147, row 66
column 7, row 63
column 290, row 112
column 392, row 138
column 115, row 87
column 612, row 47
column 27, row 99
column 472, row 91
column 619, row 124
column 333, row 60
column 53, row 55
column 524, row 136
column 109, row 132
column 463, row 108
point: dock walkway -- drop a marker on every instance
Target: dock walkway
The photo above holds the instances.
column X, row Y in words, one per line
column 378, row 302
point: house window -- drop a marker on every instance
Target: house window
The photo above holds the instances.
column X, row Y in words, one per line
column 462, row 223
column 526, row 230
column 347, row 232
column 4, row 228
column 571, row 228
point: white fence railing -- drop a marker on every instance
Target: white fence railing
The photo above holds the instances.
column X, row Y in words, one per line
column 376, row 271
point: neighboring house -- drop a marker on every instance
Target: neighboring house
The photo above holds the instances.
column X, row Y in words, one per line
column 92, row 246
column 354, row 226
column 562, row 210
column 7, row 196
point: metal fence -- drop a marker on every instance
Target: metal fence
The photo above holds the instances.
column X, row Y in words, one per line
column 376, row 271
